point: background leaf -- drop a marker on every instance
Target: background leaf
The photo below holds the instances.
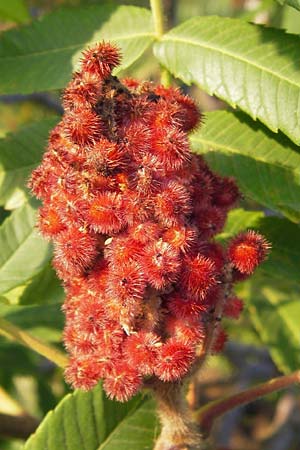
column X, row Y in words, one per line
column 266, row 166
column 247, row 65
column 293, row 3
column 43, row 321
column 23, row 252
column 136, row 432
column 274, row 310
column 43, row 55
column 14, row 10
column 20, row 153
column 82, row 420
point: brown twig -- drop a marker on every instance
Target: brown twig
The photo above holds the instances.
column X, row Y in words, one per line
column 207, row 346
column 20, row 427
column 208, row 414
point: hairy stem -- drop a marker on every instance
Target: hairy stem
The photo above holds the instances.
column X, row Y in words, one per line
column 207, row 346
column 178, row 429
column 159, row 25
column 208, row 414
column 11, row 331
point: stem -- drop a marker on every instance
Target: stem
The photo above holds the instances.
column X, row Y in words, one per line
column 205, row 350
column 18, row 427
column 10, row 331
column 178, row 429
column 158, row 19
column 206, row 415
column 158, row 16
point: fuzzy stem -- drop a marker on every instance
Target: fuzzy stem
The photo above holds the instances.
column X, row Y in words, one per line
column 206, row 415
column 158, row 19
column 10, row 331
column 207, row 346
column 178, row 429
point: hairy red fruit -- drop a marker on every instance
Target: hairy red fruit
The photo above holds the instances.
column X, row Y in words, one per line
column 172, row 203
column 100, row 59
column 122, row 382
column 171, row 148
column 75, row 251
column 182, row 237
column 126, row 282
column 174, row 360
column 82, row 126
column 82, row 91
column 84, row 372
column 247, row 251
column 144, row 232
column 162, row 264
column 185, row 307
column 200, row 275
column 220, row 340
column 233, row 307
column 189, row 331
column 49, row 221
column 105, row 213
column 105, row 157
column 121, row 249
column 141, row 349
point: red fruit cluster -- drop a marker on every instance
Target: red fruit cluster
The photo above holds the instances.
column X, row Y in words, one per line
column 132, row 215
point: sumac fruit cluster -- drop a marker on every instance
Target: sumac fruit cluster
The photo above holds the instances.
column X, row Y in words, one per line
column 132, row 215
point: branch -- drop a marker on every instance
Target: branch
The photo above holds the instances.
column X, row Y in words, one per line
column 207, row 346
column 208, row 414
column 20, row 427
column 158, row 19
column 11, row 331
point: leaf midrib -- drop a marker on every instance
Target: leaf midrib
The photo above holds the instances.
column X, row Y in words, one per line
column 216, row 48
column 73, row 47
column 111, row 435
column 218, row 146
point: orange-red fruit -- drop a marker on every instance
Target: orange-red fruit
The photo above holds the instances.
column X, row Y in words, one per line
column 105, row 213
column 233, row 307
column 199, row 275
column 74, row 251
column 100, row 59
column 161, row 264
column 122, row 382
column 141, row 349
column 82, row 126
column 247, row 251
column 174, row 360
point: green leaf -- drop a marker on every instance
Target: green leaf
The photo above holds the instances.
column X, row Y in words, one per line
column 275, row 310
column 82, row 420
column 43, row 288
column 43, row 55
column 42, row 321
column 23, row 252
column 284, row 259
column 14, row 10
column 294, row 3
column 20, row 153
column 136, row 432
column 247, row 65
column 266, row 166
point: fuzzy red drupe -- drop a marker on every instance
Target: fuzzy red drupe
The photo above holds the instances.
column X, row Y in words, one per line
column 133, row 215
